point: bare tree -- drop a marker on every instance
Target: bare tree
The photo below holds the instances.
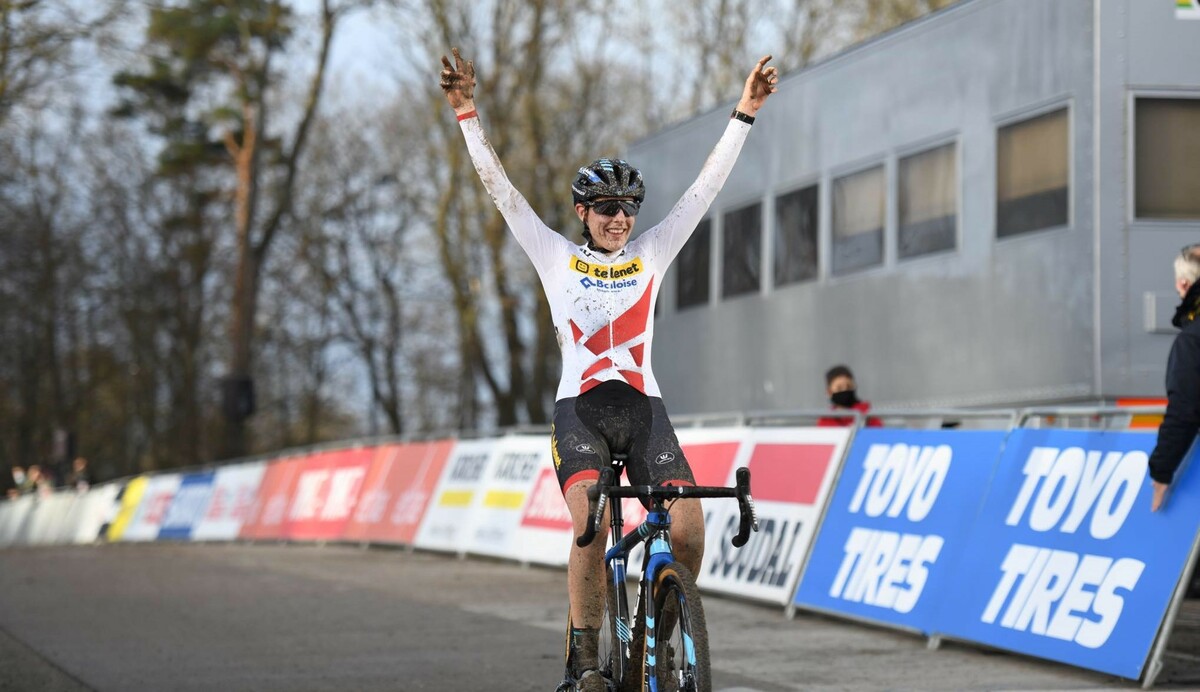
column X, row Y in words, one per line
column 36, row 38
column 877, row 16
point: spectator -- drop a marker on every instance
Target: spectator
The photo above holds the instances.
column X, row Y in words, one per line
column 80, row 478
column 1182, row 419
column 35, row 481
column 843, row 395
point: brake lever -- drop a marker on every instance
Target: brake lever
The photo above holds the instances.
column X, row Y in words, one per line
column 749, row 517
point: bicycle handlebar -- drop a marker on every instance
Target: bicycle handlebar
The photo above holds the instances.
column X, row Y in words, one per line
column 606, row 488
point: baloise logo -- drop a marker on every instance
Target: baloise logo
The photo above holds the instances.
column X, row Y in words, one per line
column 608, row 285
column 665, row 458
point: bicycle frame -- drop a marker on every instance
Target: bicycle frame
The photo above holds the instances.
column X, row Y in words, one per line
column 655, row 533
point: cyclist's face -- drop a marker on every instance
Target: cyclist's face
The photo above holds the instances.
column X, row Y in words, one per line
column 609, row 233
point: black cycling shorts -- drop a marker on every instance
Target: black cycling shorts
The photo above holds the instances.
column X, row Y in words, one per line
column 615, row 417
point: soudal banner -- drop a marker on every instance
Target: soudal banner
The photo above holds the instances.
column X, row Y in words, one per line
column 269, row 512
column 448, row 523
column 1066, row 562
column 398, row 488
column 233, row 492
column 326, row 494
column 187, row 507
column 507, row 487
column 160, row 491
column 791, row 472
column 897, row 523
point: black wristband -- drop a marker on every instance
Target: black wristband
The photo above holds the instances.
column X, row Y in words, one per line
column 738, row 115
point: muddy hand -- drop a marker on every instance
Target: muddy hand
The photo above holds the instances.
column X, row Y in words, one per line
column 458, row 80
column 761, row 83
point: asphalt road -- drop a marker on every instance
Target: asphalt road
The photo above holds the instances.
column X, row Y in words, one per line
column 273, row 617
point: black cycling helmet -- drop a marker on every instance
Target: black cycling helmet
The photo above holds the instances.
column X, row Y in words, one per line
column 607, row 178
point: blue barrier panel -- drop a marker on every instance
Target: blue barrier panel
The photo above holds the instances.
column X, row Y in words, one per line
column 188, row 506
column 1066, row 561
column 897, row 523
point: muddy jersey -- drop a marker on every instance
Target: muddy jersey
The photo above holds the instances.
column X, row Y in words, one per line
column 603, row 305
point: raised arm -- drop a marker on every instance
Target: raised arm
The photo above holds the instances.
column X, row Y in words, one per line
column 458, row 83
column 691, row 207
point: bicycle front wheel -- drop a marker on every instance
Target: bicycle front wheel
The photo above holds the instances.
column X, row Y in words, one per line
column 680, row 635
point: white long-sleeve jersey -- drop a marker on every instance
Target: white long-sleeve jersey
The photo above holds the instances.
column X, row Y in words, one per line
column 602, row 305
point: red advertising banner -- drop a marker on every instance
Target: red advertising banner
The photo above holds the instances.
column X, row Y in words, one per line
column 266, row 519
column 546, row 508
column 326, row 493
column 789, row 472
column 397, row 491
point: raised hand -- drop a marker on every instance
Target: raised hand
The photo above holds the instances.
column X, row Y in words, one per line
column 458, row 81
column 760, row 84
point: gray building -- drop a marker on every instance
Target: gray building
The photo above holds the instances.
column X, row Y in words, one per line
column 980, row 208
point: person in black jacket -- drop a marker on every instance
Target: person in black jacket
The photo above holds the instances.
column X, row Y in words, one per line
column 1182, row 419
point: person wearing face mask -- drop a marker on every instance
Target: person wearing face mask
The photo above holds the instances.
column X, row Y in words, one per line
column 602, row 294
column 843, row 395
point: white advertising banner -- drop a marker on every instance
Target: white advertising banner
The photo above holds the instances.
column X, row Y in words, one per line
column 791, row 475
column 508, row 485
column 13, row 516
column 160, row 491
column 449, row 521
column 234, row 491
column 91, row 511
column 51, row 522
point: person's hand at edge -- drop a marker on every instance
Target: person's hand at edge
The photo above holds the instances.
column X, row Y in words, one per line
column 1160, row 495
column 760, row 84
column 458, row 82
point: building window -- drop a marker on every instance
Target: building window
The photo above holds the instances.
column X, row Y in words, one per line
column 858, row 213
column 691, row 268
column 796, row 236
column 1167, row 158
column 741, row 257
column 1033, row 174
column 928, row 202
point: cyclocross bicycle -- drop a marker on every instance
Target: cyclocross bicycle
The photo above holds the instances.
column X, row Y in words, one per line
column 663, row 647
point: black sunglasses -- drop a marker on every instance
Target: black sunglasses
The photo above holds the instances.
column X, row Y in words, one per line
column 610, row 207
column 1187, row 250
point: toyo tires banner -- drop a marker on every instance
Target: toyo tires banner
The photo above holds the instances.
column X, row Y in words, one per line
column 897, row 523
column 1066, row 562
